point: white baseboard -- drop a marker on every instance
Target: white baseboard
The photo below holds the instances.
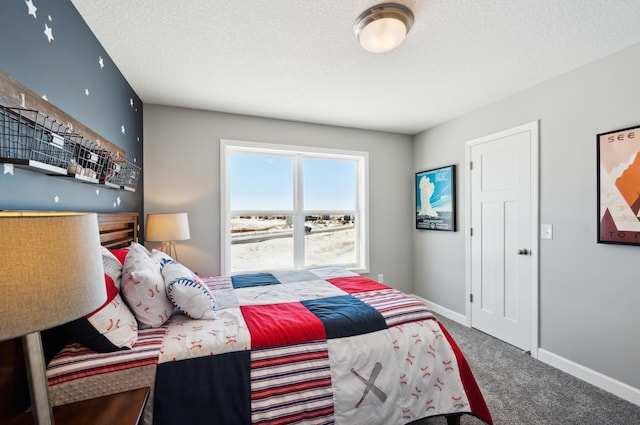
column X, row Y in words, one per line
column 622, row 390
column 443, row 311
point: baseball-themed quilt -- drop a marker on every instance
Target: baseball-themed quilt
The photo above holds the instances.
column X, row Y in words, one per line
column 314, row 346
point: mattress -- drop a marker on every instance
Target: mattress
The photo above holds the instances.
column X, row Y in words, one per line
column 314, row 346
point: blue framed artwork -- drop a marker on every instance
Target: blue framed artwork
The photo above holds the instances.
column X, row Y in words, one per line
column 436, row 199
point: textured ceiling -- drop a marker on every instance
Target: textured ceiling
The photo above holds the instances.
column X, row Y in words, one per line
column 299, row 59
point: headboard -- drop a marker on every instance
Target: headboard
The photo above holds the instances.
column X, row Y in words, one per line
column 117, row 230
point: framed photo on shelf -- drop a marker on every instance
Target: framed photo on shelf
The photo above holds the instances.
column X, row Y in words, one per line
column 436, row 199
column 619, row 186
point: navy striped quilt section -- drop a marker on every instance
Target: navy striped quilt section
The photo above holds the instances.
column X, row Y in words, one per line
column 396, row 307
column 76, row 362
column 292, row 384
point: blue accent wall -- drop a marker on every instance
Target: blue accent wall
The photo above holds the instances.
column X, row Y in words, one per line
column 71, row 69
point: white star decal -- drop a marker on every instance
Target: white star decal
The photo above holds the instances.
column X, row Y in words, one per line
column 131, row 102
column 8, row 169
column 124, row 130
column 56, row 199
column 48, row 32
column 32, row 8
column 118, row 200
column 101, row 62
column 86, row 91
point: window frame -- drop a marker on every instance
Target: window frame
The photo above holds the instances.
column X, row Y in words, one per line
column 299, row 153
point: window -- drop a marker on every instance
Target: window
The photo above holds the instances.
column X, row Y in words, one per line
column 292, row 207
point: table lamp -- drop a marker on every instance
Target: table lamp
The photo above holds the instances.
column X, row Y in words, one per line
column 50, row 273
column 167, row 228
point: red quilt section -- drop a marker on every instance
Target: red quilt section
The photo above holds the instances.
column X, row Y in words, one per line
column 476, row 401
column 355, row 284
column 273, row 325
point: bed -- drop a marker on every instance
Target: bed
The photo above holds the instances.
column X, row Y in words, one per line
column 316, row 346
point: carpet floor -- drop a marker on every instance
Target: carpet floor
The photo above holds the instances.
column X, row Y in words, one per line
column 521, row 390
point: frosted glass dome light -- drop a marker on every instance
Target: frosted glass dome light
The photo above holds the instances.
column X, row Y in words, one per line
column 383, row 27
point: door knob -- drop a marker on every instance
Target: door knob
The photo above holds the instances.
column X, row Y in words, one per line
column 523, row 252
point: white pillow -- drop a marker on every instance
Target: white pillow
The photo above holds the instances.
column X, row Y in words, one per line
column 112, row 266
column 161, row 258
column 116, row 323
column 187, row 292
column 143, row 288
column 112, row 326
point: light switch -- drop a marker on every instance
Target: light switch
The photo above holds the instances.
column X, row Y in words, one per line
column 546, row 231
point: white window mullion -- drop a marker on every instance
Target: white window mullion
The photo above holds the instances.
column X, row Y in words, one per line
column 298, row 215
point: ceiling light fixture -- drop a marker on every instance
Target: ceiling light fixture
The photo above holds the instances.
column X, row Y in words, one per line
column 383, row 27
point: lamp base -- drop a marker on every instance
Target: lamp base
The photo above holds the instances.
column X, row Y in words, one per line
column 38, row 388
column 169, row 248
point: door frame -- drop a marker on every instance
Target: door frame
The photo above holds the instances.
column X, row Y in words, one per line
column 532, row 127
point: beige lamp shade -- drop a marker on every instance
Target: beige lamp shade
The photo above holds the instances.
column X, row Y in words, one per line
column 50, row 270
column 167, row 227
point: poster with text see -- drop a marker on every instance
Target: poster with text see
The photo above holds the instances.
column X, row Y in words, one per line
column 619, row 160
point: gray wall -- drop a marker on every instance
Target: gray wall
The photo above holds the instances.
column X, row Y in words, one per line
column 182, row 174
column 589, row 292
column 62, row 69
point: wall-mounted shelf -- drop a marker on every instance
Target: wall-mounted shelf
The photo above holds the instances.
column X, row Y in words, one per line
column 32, row 136
column 31, row 139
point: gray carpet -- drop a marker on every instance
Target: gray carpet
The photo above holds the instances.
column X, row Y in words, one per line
column 520, row 390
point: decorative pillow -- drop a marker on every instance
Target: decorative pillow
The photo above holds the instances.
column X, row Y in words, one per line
column 120, row 254
column 112, row 326
column 139, row 247
column 187, row 292
column 143, row 288
column 112, row 266
column 161, row 258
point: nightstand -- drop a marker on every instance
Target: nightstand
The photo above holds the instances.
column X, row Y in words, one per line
column 123, row 408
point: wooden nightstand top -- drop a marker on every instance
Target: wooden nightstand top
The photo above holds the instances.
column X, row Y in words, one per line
column 123, row 408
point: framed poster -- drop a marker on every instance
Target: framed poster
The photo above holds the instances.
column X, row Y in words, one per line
column 619, row 186
column 436, row 199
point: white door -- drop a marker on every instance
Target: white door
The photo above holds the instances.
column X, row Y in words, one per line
column 502, row 234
